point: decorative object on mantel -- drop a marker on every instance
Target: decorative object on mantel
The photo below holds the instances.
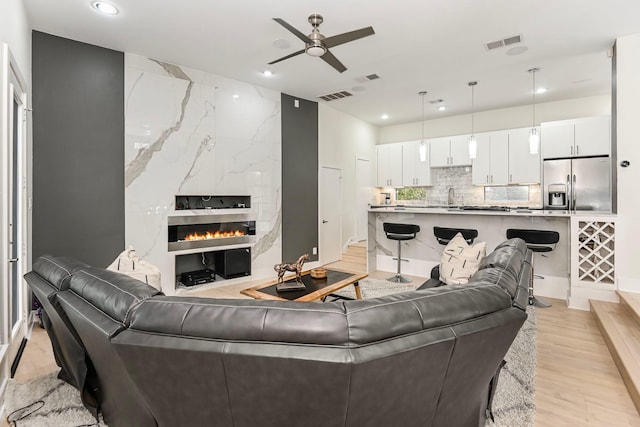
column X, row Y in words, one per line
column 294, row 267
column 534, row 138
column 473, row 144
column 129, row 263
column 318, row 273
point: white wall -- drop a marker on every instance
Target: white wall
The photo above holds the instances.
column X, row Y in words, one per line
column 628, row 112
column 343, row 138
column 506, row 118
column 16, row 32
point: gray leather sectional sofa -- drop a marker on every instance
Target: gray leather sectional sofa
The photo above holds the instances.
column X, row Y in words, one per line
column 422, row 358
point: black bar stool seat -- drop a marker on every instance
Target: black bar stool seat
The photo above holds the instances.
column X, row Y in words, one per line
column 400, row 232
column 541, row 241
column 444, row 234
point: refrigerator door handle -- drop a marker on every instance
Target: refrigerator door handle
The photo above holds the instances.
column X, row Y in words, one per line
column 569, row 192
column 574, row 193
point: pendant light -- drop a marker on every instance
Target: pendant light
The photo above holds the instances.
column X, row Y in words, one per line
column 423, row 144
column 473, row 144
column 534, row 138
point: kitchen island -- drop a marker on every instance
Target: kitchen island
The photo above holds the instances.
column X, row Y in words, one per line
column 424, row 252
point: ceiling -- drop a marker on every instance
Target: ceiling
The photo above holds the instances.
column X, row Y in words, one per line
column 432, row 45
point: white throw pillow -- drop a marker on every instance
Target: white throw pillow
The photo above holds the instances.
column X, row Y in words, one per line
column 460, row 261
column 129, row 263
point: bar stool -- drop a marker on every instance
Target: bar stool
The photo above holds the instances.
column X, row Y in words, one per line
column 400, row 232
column 444, row 235
column 540, row 241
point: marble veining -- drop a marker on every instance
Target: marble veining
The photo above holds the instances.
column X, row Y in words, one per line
column 192, row 132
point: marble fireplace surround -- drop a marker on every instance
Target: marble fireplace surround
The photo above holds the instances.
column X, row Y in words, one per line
column 191, row 132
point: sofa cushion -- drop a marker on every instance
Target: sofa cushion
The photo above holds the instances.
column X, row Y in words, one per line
column 113, row 293
column 460, row 261
column 57, row 270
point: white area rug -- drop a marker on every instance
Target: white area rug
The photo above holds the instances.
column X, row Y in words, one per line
column 47, row 402
column 513, row 404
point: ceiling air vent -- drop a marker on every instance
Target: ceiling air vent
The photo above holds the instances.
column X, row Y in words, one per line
column 336, row 95
column 436, row 101
column 364, row 79
column 507, row 41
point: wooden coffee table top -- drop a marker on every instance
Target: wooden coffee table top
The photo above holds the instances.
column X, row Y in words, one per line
column 315, row 288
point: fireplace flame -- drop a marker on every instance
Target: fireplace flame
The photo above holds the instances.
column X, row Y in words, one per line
column 215, row 235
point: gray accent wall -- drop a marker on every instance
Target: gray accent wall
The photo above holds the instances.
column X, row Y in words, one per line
column 299, row 178
column 78, row 150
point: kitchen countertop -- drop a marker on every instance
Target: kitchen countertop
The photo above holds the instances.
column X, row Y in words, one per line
column 484, row 210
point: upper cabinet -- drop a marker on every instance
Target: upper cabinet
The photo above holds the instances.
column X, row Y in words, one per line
column 524, row 167
column 389, row 165
column 416, row 171
column 503, row 158
column 450, row 151
column 491, row 165
column 589, row 136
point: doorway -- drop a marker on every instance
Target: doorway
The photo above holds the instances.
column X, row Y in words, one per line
column 14, row 297
column 330, row 215
column 363, row 198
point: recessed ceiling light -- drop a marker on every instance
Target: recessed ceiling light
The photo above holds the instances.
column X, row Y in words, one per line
column 517, row 50
column 105, row 8
column 358, row 88
column 384, row 116
column 236, row 96
column 282, row 44
column 267, row 73
column 541, row 90
column 442, row 108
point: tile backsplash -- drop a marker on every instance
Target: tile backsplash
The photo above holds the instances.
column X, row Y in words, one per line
column 463, row 191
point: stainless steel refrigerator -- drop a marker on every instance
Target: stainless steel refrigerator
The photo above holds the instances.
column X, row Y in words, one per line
column 582, row 184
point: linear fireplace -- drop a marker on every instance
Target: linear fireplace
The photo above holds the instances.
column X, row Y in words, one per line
column 203, row 231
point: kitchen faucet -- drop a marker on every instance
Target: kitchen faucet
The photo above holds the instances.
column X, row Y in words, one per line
column 451, row 196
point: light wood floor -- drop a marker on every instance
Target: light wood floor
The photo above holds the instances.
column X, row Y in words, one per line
column 577, row 383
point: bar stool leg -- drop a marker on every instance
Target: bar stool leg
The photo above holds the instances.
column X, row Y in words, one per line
column 533, row 300
column 398, row 278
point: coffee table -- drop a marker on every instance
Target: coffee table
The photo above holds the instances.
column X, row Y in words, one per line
column 315, row 288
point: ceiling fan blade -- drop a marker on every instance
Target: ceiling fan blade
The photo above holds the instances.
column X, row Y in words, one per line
column 294, row 30
column 333, row 61
column 339, row 39
column 287, row 57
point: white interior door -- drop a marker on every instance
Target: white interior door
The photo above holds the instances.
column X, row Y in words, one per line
column 330, row 215
column 13, row 133
column 363, row 197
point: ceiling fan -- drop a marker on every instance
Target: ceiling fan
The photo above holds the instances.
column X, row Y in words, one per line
column 318, row 45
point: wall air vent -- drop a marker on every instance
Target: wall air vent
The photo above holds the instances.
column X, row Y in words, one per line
column 335, row 95
column 507, row 41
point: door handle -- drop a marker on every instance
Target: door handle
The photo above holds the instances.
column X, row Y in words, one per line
column 324, row 221
column 574, row 192
column 572, row 150
column 577, row 150
column 12, row 260
column 570, row 189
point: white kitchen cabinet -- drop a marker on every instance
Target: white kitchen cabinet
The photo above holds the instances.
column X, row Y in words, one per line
column 593, row 136
column 415, row 172
column 491, row 165
column 439, row 152
column 389, row 165
column 590, row 136
column 524, row 167
column 460, row 151
column 450, row 151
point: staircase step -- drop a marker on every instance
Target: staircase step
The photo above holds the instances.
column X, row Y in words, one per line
column 622, row 335
column 631, row 302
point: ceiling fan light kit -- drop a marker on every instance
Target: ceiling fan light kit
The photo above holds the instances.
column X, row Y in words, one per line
column 317, row 45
